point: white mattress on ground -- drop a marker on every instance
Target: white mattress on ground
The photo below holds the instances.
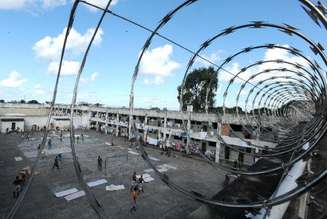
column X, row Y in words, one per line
column 66, row 192
column 154, row 158
column 147, row 177
column 96, row 182
column 18, row 158
column 75, row 195
column 165, row 167
column 132, row 152
column 169, row 166
column 113, row 187
column 162, row 169
column 148, row 170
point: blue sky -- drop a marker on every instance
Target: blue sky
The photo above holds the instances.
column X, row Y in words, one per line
column 32, row 30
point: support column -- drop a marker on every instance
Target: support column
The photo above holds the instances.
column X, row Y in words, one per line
column 89, row 115
column 188, row 132
column 106, row 117
column 106, row 122
column 145, row 127
column 256, row 151
column 218, row 145
column 159, row 128
column 164, row 128
column 117, row 124
column 97, row 126
column 217, row 151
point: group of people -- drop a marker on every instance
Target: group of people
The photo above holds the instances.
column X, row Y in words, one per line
column 166, row 148
column 20, row 180
column 78, row 138
column 135, row 189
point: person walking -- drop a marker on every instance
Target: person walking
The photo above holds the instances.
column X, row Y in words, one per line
column 134, row 176
column 60, row 157
column 49, row 144
column 56, row 163
column 140, row 183
column 77, row 139
column 134, row 196
column 100, row 161
column 226, row 180
column 61, row 135
column 17, row 183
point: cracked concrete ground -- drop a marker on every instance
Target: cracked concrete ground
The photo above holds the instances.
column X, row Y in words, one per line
column 158, row 201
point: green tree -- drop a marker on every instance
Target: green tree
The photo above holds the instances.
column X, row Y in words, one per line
column 33, row 102
column 194, row 92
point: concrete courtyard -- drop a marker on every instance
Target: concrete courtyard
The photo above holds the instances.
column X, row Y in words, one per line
column 158, row 201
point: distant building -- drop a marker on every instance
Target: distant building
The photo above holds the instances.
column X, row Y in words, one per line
column 12, row 122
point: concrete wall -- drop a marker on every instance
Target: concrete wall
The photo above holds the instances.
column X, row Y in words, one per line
column 26, row 109
column 35, row 120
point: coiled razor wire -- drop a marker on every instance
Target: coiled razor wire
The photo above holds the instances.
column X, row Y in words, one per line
column 21, row 197
column 280, row 97
column 90, row 197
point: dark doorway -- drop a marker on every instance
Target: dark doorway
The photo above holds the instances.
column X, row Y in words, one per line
column 226, row 153
column 203, row 147
column 13, row 125
column 241, row 158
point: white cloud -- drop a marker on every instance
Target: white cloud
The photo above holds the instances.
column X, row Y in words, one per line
column 34, row 4
column 53, row 3
column 23, row 4
column 156, row 80
column 68, row 67
column 213, row 57
column 100, row 3
column 49, row 48
column 14, row 80
column 38, row 89
column 13, row 4
column 94, row 76
column 234, row 69
column 158, row 63
column 274, row 54
column 270, row 54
